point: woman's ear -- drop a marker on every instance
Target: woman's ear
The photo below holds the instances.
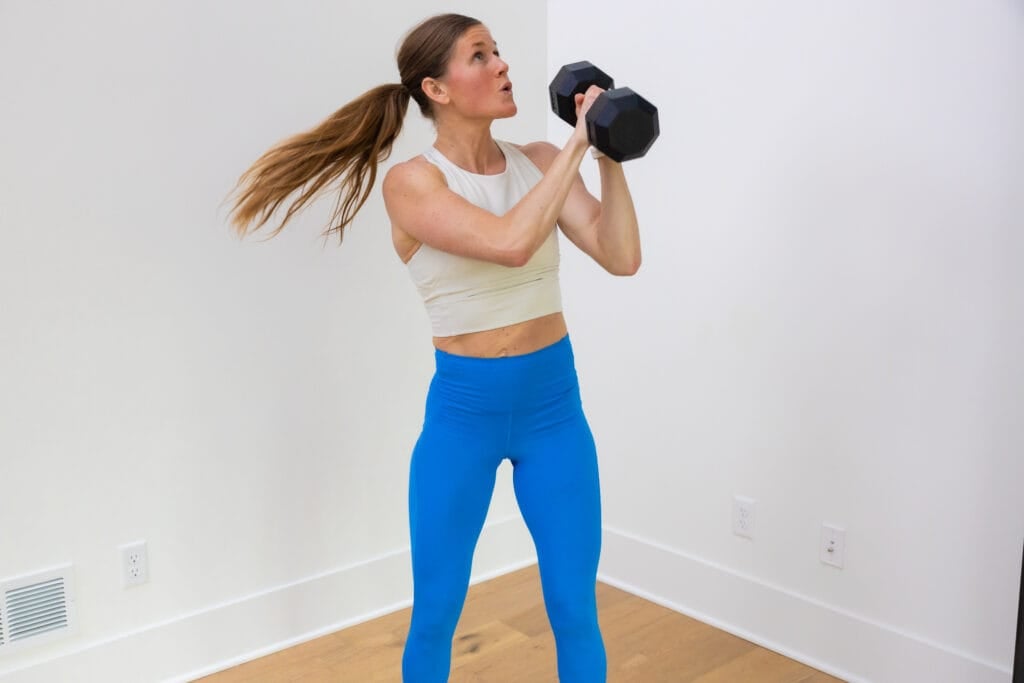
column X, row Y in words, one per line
column 435, row 90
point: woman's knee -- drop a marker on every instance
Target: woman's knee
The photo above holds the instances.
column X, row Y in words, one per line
column 436, row 616
column 572, row 613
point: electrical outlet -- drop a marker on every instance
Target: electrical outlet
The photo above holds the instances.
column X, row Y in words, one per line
column 743, row 516
column 833, row 545
column 134, row 564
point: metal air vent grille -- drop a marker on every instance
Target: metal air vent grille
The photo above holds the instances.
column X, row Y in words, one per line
column 35, row 608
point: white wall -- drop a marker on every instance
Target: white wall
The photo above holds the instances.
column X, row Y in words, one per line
column 246, row 408
column 825, row 321
column 828, row 319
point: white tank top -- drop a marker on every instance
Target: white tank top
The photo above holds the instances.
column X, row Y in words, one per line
column 465, row 295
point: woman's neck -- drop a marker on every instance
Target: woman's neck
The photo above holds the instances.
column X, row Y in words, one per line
column 470, row 148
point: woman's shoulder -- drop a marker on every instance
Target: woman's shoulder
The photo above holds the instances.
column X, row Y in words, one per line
column 541, row 153
column 416, row 172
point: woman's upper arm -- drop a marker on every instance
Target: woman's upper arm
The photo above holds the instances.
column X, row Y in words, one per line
column 578, row 218
column 419, row 202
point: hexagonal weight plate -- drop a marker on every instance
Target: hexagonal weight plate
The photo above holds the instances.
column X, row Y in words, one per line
column 622, row 124
column 571, row 79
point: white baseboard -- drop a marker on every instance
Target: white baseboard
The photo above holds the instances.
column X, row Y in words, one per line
column 846, row 645
column 193, row 645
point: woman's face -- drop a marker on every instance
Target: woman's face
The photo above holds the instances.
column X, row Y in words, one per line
column 476, row 81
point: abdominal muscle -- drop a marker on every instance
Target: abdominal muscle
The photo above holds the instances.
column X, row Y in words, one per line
column 512, row 340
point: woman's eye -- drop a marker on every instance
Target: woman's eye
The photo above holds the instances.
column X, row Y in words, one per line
column 478, row 55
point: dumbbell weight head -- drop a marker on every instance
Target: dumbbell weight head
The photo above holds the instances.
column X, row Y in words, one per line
column 570, row 80
column 622, row 124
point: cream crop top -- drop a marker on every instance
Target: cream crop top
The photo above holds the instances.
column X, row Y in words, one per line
column 465, row 295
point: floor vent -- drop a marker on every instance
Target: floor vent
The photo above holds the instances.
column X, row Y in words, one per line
column 36, row 608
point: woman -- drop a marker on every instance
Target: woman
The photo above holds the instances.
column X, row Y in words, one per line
column 474, row 219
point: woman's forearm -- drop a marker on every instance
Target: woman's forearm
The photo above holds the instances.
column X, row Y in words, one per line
column 618, row 233
column 534, row 217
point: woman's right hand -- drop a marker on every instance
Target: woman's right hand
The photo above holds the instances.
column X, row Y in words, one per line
column 583, row 103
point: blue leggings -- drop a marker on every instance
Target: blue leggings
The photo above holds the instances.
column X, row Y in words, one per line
column 480, row 411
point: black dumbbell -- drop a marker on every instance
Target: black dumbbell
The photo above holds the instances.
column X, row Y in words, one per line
column 620, row 123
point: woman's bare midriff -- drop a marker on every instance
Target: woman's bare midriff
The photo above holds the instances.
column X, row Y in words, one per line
column 514, row 340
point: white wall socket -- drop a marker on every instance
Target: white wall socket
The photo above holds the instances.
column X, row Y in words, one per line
column 134, row 564
column 743, row 516
column 833, row 545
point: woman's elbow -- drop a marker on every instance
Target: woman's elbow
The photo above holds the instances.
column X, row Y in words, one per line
column 516, row 257
column 625, row 268
column 518, row 253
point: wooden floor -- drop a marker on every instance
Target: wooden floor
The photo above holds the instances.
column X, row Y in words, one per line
column 504, row 637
